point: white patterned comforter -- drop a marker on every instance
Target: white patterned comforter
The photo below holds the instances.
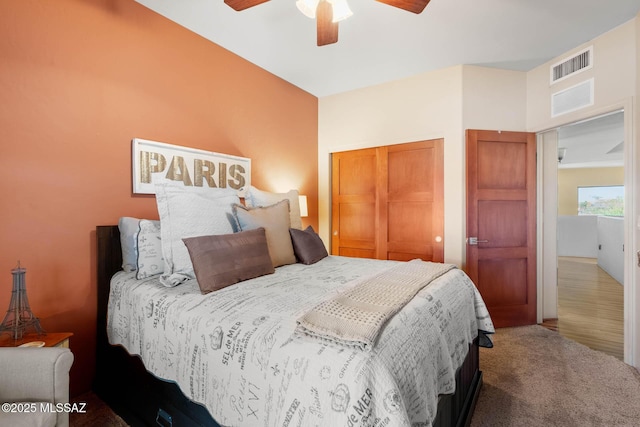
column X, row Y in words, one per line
column 234, row 350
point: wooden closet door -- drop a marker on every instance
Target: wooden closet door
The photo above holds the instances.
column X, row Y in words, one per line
column 354, row 203
column 387, row 202
column 415, row 201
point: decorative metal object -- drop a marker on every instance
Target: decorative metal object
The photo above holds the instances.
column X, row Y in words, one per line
column 19, row 316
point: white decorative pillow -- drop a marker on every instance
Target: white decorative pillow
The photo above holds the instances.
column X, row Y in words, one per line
column 128, row 227
column 190, row 212
column 150, row 261
column 257, row 198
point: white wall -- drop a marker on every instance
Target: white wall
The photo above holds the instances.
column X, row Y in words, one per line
column 494, row 99
column 632, row 291
column 578, row 236
column 441, row 104
column 437, row 104
column 427, row 106
column 613, row 70
column 611, row 246
column 616, row 59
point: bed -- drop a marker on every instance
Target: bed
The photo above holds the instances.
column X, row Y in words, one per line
column 142, row 398
column 229, row 313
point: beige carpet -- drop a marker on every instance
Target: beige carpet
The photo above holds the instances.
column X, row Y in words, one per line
column 535, row 377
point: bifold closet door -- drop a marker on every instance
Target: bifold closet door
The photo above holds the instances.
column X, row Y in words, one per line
column 388, row 202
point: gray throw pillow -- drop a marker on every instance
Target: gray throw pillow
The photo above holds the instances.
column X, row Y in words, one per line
column 222, row 260
column 307, row 245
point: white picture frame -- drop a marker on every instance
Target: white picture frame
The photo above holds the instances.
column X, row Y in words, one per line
column 154, row 161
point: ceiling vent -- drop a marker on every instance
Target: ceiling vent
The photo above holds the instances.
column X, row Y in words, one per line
column 567, row 67
column 572, row 98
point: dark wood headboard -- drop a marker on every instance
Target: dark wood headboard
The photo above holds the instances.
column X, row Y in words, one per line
column 109, row 262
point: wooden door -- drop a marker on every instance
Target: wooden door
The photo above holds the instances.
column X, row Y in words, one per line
column 414, row 200
column 354, row 205
column 388, row 202
column 501, row 215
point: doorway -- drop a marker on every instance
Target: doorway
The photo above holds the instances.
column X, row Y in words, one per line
column 587, row 216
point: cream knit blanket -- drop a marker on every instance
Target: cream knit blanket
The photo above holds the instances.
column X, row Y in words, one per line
column 355, row 317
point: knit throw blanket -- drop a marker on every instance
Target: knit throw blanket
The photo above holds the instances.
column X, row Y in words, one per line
column 354, row 318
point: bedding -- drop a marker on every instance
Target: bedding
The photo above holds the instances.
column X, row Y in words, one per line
column 258, row 198
column 149, row 249
column 140, row 245
column 128, row 227
column 355, row 317
column 222, row 260
column 275, row 220
column 190, row 213
column 234, row 350
column 307, row 245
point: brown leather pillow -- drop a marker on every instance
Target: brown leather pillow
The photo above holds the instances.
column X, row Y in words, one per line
column 307, row 245
column 222, row 260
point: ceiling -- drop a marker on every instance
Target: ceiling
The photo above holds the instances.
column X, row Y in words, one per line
column 380, row 43
column 596, row 142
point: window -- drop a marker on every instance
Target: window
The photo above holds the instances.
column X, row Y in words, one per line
column 605, row 200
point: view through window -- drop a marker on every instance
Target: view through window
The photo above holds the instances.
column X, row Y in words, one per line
column 602, row 200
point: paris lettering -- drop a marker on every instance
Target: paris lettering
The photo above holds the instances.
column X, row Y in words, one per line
column 200, row 173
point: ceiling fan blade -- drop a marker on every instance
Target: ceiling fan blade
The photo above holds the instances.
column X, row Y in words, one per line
column 415, row 6
column 327, row 29
column 239, row 5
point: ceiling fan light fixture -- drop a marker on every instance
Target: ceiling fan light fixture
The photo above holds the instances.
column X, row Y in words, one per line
column 341, row 10
column 308, row 7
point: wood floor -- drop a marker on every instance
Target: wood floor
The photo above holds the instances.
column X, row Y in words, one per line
column 590, row 306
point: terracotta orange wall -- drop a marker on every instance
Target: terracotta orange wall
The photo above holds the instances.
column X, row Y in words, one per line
column 78, row 80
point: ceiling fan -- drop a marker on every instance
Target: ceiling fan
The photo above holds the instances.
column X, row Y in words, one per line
column 329, row 12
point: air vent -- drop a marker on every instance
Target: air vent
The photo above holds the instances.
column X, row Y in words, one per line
column 572, row 98
column 581, row 61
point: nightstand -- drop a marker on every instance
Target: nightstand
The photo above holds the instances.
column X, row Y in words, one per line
column 50, row 339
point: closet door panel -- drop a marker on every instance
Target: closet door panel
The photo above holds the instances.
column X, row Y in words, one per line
column 387, row 202
column 415, row 205
column 354, row 203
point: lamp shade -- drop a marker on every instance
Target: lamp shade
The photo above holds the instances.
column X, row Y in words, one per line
column 304, row 212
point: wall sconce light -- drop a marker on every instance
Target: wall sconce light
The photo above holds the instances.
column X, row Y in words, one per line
column 304, row 211
column 561, row 152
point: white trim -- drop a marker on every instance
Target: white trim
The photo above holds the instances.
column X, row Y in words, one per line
column 547, row 184
column 539, row 226
column 632, row 233
column 631, row 305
